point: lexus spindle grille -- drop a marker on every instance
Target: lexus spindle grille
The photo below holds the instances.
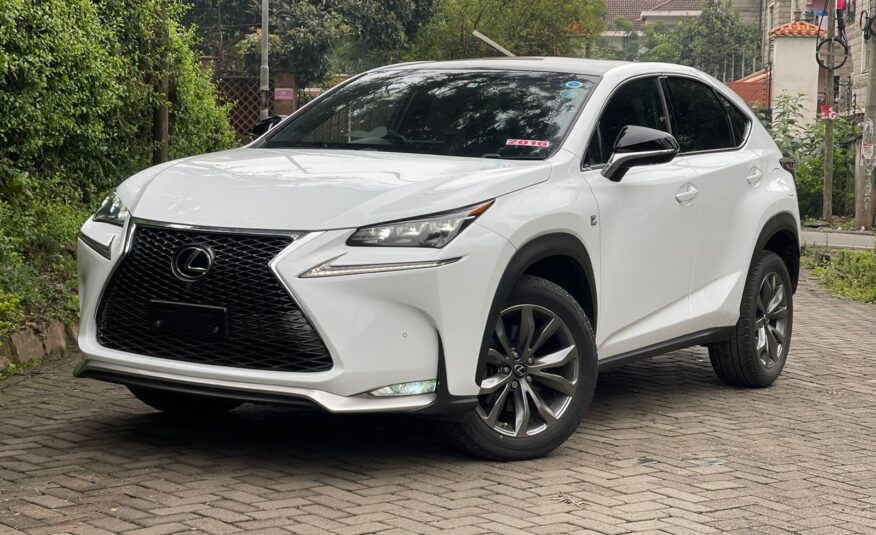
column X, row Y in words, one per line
column 263, row 327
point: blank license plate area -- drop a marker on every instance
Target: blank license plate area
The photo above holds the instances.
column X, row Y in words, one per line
column 189, row 320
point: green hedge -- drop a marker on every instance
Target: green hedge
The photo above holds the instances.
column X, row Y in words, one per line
column 77, row 96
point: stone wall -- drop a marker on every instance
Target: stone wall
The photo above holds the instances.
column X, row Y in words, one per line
column 27, row 347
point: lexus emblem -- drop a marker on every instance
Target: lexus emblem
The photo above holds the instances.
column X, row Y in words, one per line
column 519, row 370
column 192, row 262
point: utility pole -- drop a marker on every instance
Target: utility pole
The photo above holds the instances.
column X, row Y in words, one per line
column 827, row 209
column 264, row 74
column 864, row 194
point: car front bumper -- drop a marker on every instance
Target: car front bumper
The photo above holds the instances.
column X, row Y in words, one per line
column 381, row 329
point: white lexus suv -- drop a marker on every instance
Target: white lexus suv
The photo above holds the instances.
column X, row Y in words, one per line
column 470, row 239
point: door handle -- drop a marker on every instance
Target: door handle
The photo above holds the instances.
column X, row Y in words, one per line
column 687, row 193
column 754, row 176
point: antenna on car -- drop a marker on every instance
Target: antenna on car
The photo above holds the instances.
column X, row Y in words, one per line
column 492, row 43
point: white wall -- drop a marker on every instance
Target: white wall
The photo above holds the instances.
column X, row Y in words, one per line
column 796, row 72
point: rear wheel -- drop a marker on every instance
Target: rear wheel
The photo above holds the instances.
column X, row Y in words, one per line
column 538, row 378
column 183, row 404
column 756, row 353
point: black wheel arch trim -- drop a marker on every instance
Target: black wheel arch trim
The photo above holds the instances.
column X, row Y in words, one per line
column 539, row 248
column 781, row 222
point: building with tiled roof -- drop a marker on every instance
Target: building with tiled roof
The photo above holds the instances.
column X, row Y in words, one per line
column 797, row 28
column 641, row 13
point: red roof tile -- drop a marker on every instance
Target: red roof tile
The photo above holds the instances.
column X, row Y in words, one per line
column 797, row 28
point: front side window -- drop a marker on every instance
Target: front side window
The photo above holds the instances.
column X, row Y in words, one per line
column 701, row 121
column 492, row 114
column 637, row 103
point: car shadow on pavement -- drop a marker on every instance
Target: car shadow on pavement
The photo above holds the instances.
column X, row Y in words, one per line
column 254, row 433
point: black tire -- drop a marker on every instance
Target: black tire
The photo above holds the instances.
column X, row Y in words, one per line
column 475, row 435
column 183, row 404
column 738, row 361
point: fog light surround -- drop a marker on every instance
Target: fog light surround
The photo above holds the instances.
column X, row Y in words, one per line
column 406, row 389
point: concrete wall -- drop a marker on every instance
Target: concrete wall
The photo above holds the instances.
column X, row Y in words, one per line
column 795, row 72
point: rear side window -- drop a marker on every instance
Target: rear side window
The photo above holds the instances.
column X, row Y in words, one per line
column 738, row 121
column 638, row 103
column 701, row 120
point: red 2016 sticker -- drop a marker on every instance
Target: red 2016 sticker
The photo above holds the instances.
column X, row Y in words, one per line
column 528, row 143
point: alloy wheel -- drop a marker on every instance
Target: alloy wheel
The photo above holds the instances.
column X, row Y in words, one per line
column 771, row 320
column 531, row 372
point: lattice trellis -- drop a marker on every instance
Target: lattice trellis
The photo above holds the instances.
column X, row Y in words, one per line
column 243, row 93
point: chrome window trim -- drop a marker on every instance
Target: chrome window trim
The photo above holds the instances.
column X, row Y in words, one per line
column 721, row 93
column 666, row 103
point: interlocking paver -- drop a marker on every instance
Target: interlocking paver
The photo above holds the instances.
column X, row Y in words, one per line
column 665, row 449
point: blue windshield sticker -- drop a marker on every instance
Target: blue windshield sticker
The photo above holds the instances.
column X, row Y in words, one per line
column 568, row 93
column 472, row 84
column 574, row 84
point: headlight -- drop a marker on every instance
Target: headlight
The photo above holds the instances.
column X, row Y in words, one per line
column 112, row 210
column 429, row 231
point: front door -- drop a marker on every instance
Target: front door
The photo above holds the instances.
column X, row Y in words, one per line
column 648, row 231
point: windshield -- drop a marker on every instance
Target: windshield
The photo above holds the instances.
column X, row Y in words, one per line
column 491, row 114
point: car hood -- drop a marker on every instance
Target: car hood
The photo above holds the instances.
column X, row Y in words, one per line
column 295, row 189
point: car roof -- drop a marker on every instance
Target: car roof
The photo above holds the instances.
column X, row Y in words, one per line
column 530, row 63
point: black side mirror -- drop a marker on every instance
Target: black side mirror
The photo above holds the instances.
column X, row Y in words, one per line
column 637, row 145
column 265, row 124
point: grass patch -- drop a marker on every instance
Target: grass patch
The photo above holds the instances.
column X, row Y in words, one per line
column 17, row 369
column 846, row 273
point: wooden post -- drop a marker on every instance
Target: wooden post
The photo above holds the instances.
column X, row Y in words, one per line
column 827, row 199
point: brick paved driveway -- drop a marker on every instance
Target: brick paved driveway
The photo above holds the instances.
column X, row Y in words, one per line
column 666, row 449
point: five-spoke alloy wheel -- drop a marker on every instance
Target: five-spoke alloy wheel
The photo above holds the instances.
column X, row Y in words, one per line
column 537, row 375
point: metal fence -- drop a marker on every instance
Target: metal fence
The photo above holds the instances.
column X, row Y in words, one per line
column 243, row 94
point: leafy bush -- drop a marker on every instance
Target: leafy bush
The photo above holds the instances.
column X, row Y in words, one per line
column 77, row 99
column 805, row 143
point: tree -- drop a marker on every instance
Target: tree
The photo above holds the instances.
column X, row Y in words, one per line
column 525, row 27
column 305, row 34
column 708, row 42
column 646, row 45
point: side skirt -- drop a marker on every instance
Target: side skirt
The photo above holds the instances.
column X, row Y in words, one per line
column 708, row 336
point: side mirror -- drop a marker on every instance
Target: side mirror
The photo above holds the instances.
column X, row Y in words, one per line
column 265, row 124
column 637, row 145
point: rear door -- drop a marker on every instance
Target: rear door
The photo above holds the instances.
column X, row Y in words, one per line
column 712, row 134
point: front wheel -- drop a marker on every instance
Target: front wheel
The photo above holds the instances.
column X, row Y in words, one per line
column 756, row 352
column 538, row 376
